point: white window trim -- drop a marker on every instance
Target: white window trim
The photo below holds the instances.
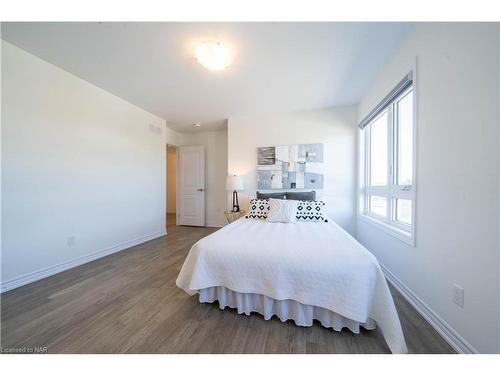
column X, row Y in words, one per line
column 403, row 232
column 389, row 229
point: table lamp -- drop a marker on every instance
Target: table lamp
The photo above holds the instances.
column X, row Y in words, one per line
column 235, row 183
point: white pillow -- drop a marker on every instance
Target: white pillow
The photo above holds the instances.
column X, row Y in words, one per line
column 282, row 211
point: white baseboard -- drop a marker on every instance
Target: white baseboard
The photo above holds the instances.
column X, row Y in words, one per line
column 49, row 271
column 451, row 336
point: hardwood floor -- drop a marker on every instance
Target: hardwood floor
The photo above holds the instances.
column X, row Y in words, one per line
column 128, row 303
column 171, row 220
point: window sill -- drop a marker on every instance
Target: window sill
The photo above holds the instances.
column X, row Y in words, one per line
column 401, row 235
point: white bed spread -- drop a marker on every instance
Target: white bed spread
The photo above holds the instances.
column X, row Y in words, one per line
column 316, row 264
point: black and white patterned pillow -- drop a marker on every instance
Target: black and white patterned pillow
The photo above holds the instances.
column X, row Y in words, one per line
column 259, row 209
column 311, row 211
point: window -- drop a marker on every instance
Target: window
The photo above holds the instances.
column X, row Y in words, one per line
column 388, row 134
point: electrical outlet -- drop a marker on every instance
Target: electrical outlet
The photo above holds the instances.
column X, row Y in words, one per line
column 458, row 295
column 70, row 241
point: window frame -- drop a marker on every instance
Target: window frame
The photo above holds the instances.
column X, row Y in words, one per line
column 391, row 192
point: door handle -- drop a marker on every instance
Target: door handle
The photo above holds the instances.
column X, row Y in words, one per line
column 200, row 189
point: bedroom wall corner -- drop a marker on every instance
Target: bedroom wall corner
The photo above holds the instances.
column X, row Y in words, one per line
column 334, row 127
column 83, row 171
column 215, row 143
column 457, row 223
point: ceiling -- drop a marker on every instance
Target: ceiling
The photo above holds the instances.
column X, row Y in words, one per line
column 277, row 67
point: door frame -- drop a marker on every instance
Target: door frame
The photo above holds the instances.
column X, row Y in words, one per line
column 177, row 202
column 177, row 186
column 176, row 181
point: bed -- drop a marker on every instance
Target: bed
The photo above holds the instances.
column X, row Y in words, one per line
column 302, row 271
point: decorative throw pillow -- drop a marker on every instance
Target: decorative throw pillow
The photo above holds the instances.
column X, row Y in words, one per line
column 259, row 209
column 311, row 211
column 282, row 211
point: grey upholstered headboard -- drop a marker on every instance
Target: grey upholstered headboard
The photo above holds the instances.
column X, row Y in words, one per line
column 294, row 195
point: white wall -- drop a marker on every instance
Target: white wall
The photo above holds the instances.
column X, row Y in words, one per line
column 498, row 203
column 76, row 161
column 457, row 176
column 215, row 143
column 1, row 161
column 334, row 127
column 173, row 137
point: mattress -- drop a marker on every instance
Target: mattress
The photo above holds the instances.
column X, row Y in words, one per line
column 314, row 264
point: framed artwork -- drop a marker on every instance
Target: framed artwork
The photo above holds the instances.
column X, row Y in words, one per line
column 290, row 167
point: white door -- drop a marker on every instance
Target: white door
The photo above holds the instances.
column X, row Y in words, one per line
column 192, row 185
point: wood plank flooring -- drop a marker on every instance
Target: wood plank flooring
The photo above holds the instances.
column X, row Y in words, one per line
column 128, row 303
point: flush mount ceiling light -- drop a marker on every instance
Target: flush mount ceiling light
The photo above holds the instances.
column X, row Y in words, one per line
column 213, row 55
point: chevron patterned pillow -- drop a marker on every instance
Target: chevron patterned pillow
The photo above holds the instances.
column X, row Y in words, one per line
column 311, row 211
column 259, row 209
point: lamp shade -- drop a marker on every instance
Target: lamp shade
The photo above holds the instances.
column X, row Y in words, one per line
column 234, row 183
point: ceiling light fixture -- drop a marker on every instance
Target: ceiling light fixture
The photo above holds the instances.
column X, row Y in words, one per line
column 213, row 55
column 197, row 125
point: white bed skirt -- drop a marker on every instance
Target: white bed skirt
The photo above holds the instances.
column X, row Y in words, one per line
column 302, row 315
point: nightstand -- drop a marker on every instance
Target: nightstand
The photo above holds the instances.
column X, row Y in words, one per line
column 232, row 216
